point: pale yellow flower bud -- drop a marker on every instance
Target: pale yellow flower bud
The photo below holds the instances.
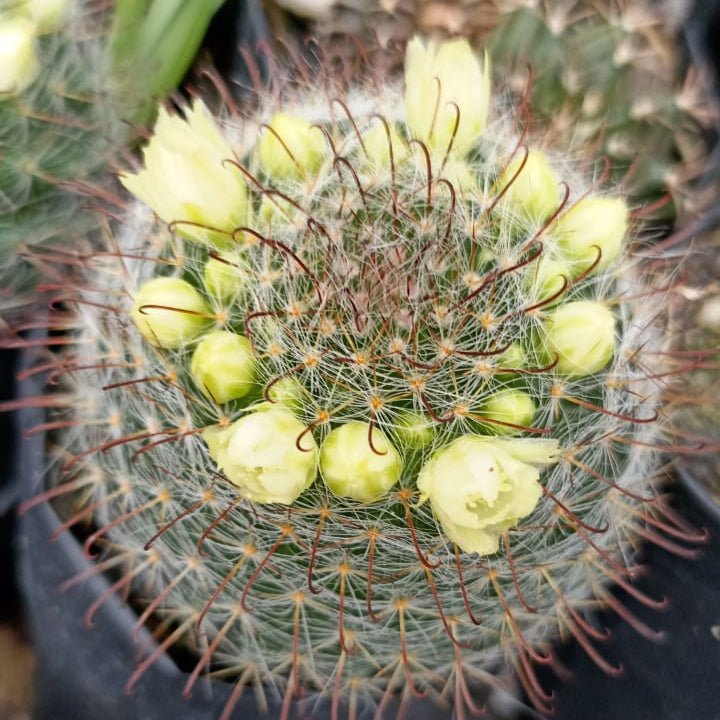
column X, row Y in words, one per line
column 479, row 487
column 351, row 467
column 290, row 148
column 446, row 85
column 19, row 64
column 509, row 406
column 223, row 365
column 170, row 312
column 260, row 455
column 187, row 178
column 225, row 277
column 592, row 224
column 534, row 193
column 546, row 278
column 582, row 336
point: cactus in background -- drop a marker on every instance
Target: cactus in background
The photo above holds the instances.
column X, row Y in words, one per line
column 376, row 406
column 607, row 76
column 69, row 100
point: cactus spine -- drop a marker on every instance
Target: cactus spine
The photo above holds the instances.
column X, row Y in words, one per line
column 443, row 437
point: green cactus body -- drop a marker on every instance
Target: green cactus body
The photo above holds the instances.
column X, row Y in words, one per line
column 387, row 288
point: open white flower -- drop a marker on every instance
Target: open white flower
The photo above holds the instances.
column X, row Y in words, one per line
column 445, row 85
column 188, row 180
column 259, row 454
column 480, row 486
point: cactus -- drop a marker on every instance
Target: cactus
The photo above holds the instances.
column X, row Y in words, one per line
column 45, row 119
column 607, row 75
column 373, row 406
column 69, row 102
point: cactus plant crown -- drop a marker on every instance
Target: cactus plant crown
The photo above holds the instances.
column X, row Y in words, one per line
column 608, row 75
column 375, row 407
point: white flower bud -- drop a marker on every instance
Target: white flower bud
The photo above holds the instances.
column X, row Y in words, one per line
column 509, row 406
column 290, row 147
column 415, row 430
column 547, row 277
column 260, row 455
column 593, row 224
column 288, row 393
column 582, row 336
column 223, row 365
column 534, row 193
column 446, row 84
column 225, row 278
column 170, row 312
column 351, row 467
column 479, row 487
column 377, row 146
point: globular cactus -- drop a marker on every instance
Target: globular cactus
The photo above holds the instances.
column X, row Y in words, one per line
column 376, row 407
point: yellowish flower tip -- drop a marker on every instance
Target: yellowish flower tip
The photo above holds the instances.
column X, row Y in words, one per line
column 592, row 223
column 446, row 86
column 288, row 393
column 259, row 454
column 290, row 147
column 534, row 193
column 223, row 365
column 480, row 486
column 377, row 141
column 188, row 180
column 225, row 277
column 547, row 277
column 415, row 430
column 582, row 336
column 48, row 15
column 509, row 406
column 353, row 467
column 170, row 312
column 19, row 64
